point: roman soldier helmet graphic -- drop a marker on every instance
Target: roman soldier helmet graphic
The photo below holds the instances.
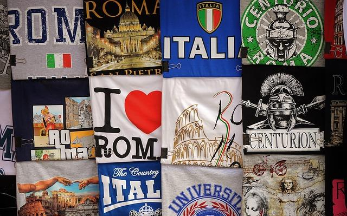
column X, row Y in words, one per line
column 281, row 35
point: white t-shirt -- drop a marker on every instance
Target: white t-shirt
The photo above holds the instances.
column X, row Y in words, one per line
column 202, row 121
column 126, row 117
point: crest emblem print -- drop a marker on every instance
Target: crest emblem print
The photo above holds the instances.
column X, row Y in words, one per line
column 282, row 34
column 209, row 15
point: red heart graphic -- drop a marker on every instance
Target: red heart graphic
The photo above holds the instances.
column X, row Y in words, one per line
column 144, row 111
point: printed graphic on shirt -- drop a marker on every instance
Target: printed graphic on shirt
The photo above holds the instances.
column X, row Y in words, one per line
column 48, row 122
column 336, row 102
column 83, row 139
column 339, row 204
column 201, row 193
column 123, row 37
column 207, row 199
column 132, row 189
column 126, row 117
column 201, row 38
column 284, row 185
column 45, row 118
column 288, row 114
column 58, row 192
column 205, row 127
column 282, row 32
column 78, row 113
column 47, row 39
column 333, row 29
column 5, row 69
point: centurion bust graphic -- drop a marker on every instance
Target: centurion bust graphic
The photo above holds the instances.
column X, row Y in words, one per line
column 282, row 112
column 281, row 35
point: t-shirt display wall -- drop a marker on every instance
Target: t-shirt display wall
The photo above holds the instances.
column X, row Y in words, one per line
column 173, row 107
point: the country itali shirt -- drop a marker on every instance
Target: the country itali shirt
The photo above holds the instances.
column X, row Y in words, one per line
column 7, row 146
column 132, row 188
column 202, row 121
column 282, row 32
column 200, row 38
column 47, row 39
column 126, row 117
column 53, row 119
column 191, row 190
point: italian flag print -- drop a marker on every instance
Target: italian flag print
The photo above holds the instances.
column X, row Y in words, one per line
column 58, row 60
column 209, row 18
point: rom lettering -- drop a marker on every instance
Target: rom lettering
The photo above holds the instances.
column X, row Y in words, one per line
column 121, row 142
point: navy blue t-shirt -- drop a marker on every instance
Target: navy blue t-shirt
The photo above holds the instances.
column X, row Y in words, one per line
column 42, row 105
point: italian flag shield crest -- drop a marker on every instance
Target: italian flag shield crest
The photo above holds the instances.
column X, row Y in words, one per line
column 209, row 15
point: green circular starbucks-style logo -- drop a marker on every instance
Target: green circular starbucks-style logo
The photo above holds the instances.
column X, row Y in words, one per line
column 282, row 32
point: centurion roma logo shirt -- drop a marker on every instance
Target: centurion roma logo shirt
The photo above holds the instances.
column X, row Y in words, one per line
column 200, row 38
column 283, row 32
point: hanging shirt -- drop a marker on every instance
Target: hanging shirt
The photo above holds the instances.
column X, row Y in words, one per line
column 53, row 119
column 283, row 109
column 123, row 37
column 126, row 117
column 5, row 69
column 284, row 185
column 7, row 146
column 202, row 121
column 49, row 187
column 8, row 204
column 333, row 30
column 200, row 38
column 335, row 182
column 283, row 32
column 192, row 190
column 336, row 92
column 47, row 39
column 132, row 188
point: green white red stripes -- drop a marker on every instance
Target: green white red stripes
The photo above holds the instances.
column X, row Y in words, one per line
column 209, row 18
column 58, row 60
column 227, row 126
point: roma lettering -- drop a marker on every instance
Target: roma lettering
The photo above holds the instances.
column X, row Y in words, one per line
column 122, row 142
column 140, row 8
column 66, row 30
column 60, row 139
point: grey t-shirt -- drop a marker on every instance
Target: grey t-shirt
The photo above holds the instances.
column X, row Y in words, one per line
column 195, row 190
column 52, row 186
column 5, row 69
column 47, row 38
